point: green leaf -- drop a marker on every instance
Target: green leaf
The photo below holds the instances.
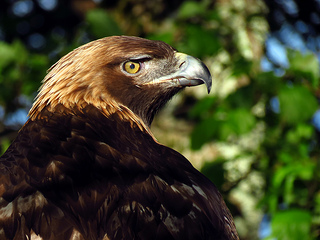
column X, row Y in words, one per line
column 297, row 104
column 305, row 65
column 167, row 37
column 5, row 143
column 241, row 121
column 288, row 189
column 268, row 83
column 221, row 125
column 203, row 132
column 203, row 106
column 242, row 98
column 38, row 62
column 286, row 178
column 199, row 42
column 225, row 130
column 291, row 225
column 300, row 132
column 215, row 172
column 12, row 52
column 191, row 9
column 7, row 53
column 303, row 171
column 13, row 58
column 102, row 24
column 241, row 66
column 21, row 53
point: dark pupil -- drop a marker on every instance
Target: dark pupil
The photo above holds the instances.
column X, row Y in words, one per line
column 132, row 66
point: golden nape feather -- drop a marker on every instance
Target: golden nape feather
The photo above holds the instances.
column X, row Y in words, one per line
column 86, row 166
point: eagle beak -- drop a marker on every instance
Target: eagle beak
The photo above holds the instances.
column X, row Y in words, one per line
column 192, row 72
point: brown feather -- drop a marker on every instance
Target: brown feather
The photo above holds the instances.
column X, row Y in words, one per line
column 86, row 166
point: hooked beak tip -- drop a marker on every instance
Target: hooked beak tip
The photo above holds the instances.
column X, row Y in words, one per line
column 194, row 71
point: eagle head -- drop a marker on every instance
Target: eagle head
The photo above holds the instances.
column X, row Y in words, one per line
column 123, row 72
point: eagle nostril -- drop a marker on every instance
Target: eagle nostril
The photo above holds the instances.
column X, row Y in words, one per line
column 183, row 63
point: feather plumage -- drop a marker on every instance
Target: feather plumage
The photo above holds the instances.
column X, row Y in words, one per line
column 86, row 166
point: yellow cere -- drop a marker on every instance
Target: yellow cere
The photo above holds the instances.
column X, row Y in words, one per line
column 131, row 67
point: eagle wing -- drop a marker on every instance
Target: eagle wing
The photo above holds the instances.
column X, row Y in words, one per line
column 23, row 208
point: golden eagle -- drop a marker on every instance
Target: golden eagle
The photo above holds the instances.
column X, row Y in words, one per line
column 86, row 166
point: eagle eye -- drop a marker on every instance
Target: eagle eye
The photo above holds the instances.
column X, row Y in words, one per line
column 132, row 67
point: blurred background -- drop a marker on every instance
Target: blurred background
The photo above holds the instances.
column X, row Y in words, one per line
column 256, row 135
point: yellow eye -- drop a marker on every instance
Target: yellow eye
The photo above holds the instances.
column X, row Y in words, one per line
column 132, row 67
